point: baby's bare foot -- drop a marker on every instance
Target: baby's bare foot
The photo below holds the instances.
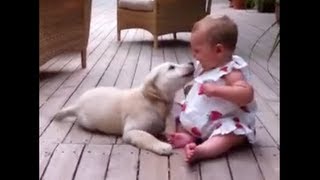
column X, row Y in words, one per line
column 190, row 151
column 179, row 140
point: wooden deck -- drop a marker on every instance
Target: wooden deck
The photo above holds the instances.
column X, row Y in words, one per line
column 68, row 152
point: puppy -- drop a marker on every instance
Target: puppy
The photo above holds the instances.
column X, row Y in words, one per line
column 138, row 114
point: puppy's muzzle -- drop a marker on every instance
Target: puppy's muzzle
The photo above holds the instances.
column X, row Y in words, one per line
column 191, row 70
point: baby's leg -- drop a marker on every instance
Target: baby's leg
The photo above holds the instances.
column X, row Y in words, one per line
column 213, row 147
column 180, row 138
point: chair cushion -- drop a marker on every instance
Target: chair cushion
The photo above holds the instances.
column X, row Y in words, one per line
column 139, row 5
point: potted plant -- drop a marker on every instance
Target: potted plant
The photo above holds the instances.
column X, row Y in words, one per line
column 242, row 4
column 239, row 4
column 266, row 5
column 250, row 4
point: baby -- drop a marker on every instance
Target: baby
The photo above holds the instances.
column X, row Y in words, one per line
column 218, row 112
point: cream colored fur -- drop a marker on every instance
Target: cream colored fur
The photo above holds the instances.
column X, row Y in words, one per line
column 138, row 114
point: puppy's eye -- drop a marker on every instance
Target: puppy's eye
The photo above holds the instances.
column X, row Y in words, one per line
column 171, row 67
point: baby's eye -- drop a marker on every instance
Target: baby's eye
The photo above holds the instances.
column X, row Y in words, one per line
column 171, row 67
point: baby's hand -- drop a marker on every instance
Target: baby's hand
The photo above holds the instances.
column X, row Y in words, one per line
column 207, row 89
column 201, row 89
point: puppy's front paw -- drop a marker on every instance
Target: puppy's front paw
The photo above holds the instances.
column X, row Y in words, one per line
column 163, row 148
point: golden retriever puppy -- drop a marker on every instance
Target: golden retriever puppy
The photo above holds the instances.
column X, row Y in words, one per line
column 138, row 114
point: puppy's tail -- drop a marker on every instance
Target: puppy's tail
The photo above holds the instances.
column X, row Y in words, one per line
column 65, row 112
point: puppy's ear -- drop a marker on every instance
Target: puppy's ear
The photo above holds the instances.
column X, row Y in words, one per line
column 150, row 90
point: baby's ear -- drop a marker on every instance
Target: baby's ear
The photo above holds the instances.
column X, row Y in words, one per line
column 219, row 48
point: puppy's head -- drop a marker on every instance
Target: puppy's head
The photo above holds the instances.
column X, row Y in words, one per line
column 167, row 78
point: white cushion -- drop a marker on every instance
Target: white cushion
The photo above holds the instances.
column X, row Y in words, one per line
column 139, row 5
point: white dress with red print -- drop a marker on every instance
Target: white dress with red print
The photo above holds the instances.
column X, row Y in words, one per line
column 205, row 117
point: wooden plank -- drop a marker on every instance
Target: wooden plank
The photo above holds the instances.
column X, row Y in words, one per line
column 123, row 157
column 185, row 53
column 262, row 39
column 99, row 138
column 49, row 63
column 169, row 52
column 261, row 73
column 93, row 77
column 260, row 56
column 127, row 72
column 262, row 89
column 250, row 24
column 258, row 21
column 181, row 53
column 46, row 151
column 275, row 106
column 101, row 38
column 153, row 166
column 157, row 57
column 263, row 138
column 78, row 135
column 268, row 118
column 56, row 132
column 243, row 165
column 215, row 169
column 266, row 78
column 272, row 126
column 97, row 21
column 263, row 105
column 249, row 35
column 93, row 163
column 110, row 76
column 144, row 63
column 99, row 29
column 48, row 73
column 269, row 162
column 47, row 90
column 100, row 16
column 103, row 8
column 64, row 162
column 179, row 169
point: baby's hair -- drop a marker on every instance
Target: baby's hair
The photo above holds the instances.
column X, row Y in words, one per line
column 219, row 30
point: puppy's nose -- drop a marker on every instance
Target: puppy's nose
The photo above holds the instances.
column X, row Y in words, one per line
column 191, row 63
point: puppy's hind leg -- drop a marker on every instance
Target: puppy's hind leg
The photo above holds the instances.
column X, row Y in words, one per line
column 84, row 122
column 144, row 140
column 65, row 112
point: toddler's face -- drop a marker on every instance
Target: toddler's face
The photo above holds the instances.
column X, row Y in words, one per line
column 202, row 51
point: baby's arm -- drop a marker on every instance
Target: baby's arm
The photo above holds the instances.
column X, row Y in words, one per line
column 236, row 90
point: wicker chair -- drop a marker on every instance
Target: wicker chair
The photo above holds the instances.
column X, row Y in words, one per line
column 64, row 26
column 160, row 17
